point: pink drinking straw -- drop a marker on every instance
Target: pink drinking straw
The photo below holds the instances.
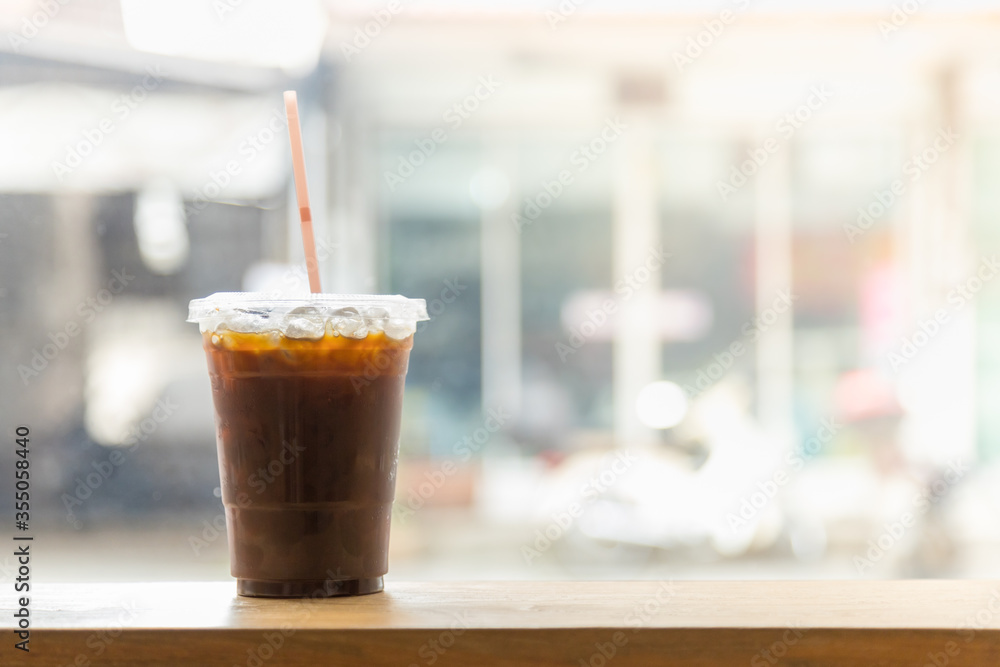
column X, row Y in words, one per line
column 302, row 189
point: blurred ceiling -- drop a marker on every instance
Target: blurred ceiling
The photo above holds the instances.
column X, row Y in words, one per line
column 222, row 64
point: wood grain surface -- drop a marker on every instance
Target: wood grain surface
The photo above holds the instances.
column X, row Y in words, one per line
column 518, row 623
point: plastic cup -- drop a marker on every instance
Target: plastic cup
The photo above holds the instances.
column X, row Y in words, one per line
column 308, row 396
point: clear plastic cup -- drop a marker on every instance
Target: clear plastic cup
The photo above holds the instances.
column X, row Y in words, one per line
column 308, row 395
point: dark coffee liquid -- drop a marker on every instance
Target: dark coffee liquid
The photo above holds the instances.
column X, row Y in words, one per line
column 308, row 437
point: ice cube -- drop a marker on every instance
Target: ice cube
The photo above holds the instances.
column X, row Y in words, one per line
column 352, row 328
column 302, row 328
column 349, row 322
column 305, row 322
column 399, row 329
column 376, row 317
column 246, row 321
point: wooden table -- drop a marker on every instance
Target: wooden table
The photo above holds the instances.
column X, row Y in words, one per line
column 758, row 623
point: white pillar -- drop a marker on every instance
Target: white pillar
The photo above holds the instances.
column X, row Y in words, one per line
column 352, row 217
column 500, row 281
column 773, row 259
column 636, row 232
column 938, row 384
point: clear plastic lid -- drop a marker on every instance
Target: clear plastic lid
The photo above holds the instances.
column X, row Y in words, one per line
column 309, row 317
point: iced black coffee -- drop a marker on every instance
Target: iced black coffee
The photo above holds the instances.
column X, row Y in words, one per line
column 308, row 396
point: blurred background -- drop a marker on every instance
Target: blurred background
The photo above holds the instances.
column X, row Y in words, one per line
column 711, row 283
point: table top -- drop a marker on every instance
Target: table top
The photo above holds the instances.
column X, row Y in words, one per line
column 523, row 623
